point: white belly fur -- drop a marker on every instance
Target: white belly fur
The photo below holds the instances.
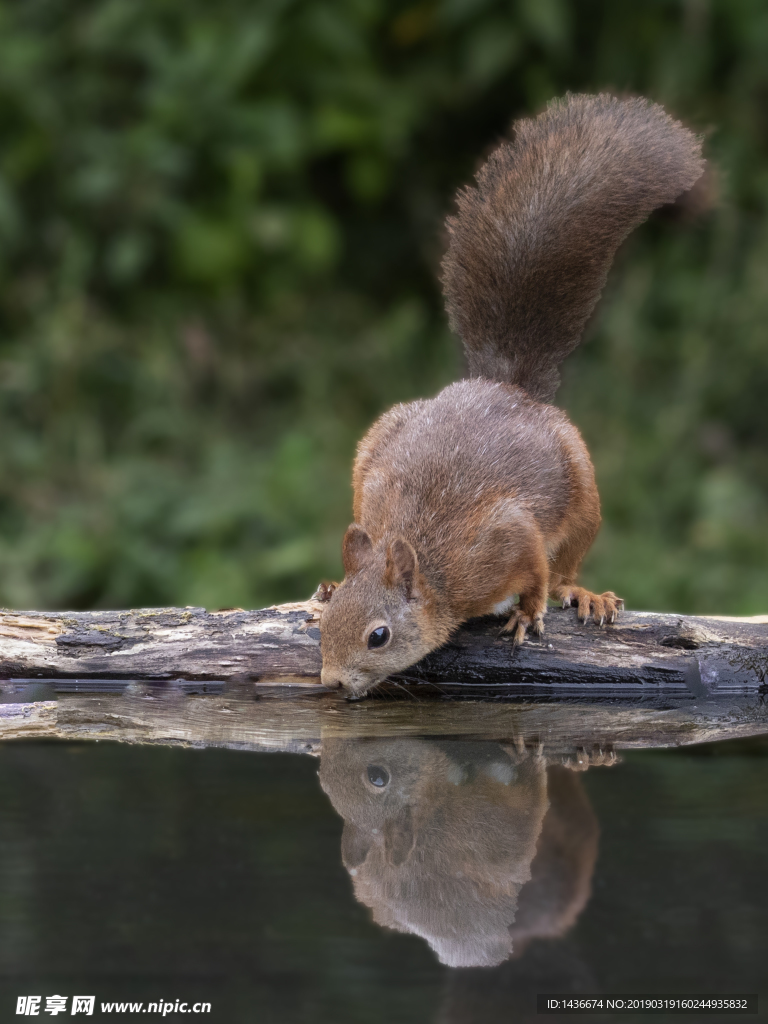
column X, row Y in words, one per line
column 505, row 606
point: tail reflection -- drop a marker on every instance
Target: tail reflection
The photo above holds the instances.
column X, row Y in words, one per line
column 476, row 847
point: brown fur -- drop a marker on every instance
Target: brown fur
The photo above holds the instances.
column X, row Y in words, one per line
column 476, row 847
column 532, row 245
column 486, row 492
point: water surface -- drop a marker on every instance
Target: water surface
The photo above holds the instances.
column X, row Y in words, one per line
column 367, row 878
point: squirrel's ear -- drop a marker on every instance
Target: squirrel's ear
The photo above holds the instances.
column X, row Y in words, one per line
column 356, row 549
column 399, row 837
column 402, row 566
column 355, row 845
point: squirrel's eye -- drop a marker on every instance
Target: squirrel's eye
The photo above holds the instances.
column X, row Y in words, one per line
column 378, row 637
column 378, row 776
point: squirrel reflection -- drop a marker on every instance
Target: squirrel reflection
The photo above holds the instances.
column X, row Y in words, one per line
column 476, row 847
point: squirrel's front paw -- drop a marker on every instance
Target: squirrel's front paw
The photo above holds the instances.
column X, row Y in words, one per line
column 603, row 607
column 324, row 592
column 519, row 623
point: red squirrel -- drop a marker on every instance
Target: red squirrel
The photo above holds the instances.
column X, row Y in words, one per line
column 482, row 500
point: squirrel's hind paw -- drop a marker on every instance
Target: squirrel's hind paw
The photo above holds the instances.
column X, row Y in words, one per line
column 519, row 623
column 595, row 758
column 602, row 607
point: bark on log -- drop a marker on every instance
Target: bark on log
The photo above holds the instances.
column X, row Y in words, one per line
column 643, row 653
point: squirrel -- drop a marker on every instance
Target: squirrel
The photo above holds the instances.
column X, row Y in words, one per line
column 482, row 500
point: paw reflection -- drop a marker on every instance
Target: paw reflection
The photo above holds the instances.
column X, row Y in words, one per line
column 476, row 847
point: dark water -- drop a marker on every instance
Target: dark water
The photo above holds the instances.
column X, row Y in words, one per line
column 139, row 873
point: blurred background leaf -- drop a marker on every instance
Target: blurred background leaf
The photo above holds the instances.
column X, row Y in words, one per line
column 220, row 231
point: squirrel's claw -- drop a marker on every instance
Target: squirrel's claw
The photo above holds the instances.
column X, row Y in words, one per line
column 601, row 608
column 597, row 757
column 519, row 623
column 324, row 592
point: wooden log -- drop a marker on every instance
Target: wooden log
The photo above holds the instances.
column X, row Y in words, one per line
column 643, row 653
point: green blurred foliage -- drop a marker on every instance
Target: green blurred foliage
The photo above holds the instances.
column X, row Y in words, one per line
column 220, row 228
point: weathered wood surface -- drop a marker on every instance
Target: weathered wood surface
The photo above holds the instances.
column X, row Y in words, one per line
column 643, row 652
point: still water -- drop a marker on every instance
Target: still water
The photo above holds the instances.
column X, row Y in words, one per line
column 381, row 878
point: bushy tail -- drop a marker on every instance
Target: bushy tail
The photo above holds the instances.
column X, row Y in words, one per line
column 532, row 243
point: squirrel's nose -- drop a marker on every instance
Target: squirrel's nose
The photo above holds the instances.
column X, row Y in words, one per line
column 330, row 680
